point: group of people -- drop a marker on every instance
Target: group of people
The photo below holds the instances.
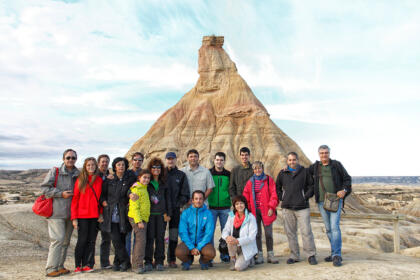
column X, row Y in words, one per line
column 133, row 207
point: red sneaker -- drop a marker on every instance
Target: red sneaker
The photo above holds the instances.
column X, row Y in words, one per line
column 78, row 269
column 87, row 269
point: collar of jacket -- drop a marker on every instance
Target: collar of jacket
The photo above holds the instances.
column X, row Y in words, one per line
column 224, row 172
column 330, row 163
column 298, row 170
column 249, row 166
column 172, row 170
column 202, row 208
column 63, row 171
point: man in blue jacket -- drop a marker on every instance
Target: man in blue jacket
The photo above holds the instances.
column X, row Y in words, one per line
column 196, row 229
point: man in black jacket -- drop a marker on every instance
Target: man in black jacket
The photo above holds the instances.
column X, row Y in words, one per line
column 179, row 192
column 330, row 176
column 294, row 187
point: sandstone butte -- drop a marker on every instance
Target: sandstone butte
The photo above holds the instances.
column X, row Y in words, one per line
column 220, row 113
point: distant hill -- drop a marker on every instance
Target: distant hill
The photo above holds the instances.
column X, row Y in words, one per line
column 394, row 180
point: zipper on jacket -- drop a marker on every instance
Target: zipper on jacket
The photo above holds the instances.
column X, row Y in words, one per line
column 218, row 191
column 196, row 227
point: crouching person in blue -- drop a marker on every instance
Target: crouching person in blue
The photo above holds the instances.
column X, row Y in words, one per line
column 196, row 229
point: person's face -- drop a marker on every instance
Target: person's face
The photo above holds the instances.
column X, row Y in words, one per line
column 70, row 159
column 171, row 162
column 156, row 169
column 91, row 167
column 219, row 162
column 292, row 161
column 103, row 164
column 145, row 179
column 244, row 157
column 198, row 200
column 120, row 167
column 324, row 155
column 258, row 170
column 193, row 159
column 240, row 206
column 137, row 162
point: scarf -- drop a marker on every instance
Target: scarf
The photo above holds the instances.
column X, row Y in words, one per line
column 259, row 178
column 237, row 222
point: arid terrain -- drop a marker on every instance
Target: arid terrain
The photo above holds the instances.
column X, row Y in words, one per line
column 367, row 244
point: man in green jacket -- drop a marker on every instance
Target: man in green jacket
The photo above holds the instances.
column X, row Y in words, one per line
column 219, row 199
column 240, row 174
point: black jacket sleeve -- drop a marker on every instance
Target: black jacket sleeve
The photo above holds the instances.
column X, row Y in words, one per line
column 184, row 194
column 232, row 184
column 345, row 177
column 168, row 202
column 104, row 192
column 309, row 186
column 279, row 186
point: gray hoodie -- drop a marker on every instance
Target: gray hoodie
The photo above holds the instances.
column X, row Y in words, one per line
column 65, row 182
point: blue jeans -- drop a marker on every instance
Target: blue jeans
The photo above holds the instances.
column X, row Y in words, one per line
column 332, row 227
column 223, row 216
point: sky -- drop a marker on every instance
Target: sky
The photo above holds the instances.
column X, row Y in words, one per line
column 95, row 75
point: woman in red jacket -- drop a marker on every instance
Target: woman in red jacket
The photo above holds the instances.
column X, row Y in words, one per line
column 85, row 214
column 260, row 192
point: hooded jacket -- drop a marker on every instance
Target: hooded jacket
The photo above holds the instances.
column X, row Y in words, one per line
column 139, row 210
column 219, row 198
column 196, row 227
column 295, row 188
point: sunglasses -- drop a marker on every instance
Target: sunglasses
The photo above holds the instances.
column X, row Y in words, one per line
column 136, row 159
column 70, row 158
column 156, row 167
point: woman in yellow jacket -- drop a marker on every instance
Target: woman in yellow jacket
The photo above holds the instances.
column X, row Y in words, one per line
column 138, row 215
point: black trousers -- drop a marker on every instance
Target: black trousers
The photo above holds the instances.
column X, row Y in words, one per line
column 105, row 248
column 118, row 241
column 84, row 254
column 173, row 234
column 155, row 241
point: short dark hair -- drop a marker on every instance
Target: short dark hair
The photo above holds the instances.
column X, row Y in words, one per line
column 69, row 150
column 137, row 154
column 144, row 171
column 102, row 156
column 193, row 151
column 220, row 154
column 117, row 160
column 293, row 154
column 198, row 191
column 245, row 150
column 237, row 199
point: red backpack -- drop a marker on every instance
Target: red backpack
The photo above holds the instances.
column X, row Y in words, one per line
column 44, row 206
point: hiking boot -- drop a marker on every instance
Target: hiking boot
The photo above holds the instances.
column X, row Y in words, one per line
column 259, row 258
column 124, row 267
column 291, row 261
column 115, row 267
column 251, row 262
column 232, row 264
column 159, row 267
column 78, row 269
column 148, row 267
column 328, row 259
column 140, row 270
column 337, row 261
column 106, row 266
column 186, row 265
column 225, row 258
column 204, row 266
column 87, row 269
column 271, row 258
column 53, row 274
column 172, row 265
column 64, row 271
column 312, row 260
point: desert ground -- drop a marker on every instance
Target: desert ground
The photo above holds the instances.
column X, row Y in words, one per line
column 367, row 244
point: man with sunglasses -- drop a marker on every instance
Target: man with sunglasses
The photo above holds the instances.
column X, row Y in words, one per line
column 59, row 185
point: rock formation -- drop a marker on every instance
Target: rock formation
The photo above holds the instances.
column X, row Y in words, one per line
column 219, row 114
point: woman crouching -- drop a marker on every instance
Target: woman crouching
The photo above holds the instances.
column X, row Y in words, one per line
column 240, row 234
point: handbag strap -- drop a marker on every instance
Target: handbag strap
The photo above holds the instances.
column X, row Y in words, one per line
column 320, row 179
column 90, row 185
column 56, row 177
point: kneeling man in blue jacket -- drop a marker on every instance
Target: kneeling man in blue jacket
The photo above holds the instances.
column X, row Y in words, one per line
column 196, row 229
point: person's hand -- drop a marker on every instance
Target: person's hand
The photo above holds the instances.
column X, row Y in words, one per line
column 110, row 177
column 67, row 194
column 74, row 222
column 104, row 204
column 195, row 252
column 101, row 218
column 231, row 240
column 341, row 194
column 133, row 196
column 140, row 225
column 270, row 212
column 166, row 218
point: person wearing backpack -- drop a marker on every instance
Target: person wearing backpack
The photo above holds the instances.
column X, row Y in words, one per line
column 85, row 213
column 59, row 184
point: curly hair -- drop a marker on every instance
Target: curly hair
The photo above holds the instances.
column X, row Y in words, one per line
column 157, row 162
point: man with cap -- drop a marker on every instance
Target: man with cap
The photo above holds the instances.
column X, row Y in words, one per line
column 179, row 192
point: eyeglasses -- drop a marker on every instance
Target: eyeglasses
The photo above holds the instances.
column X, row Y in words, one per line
column 156, row 167
column 138, row 159
column 70, row 158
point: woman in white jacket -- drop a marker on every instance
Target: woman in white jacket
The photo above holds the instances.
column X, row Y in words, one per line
column 240, row 234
